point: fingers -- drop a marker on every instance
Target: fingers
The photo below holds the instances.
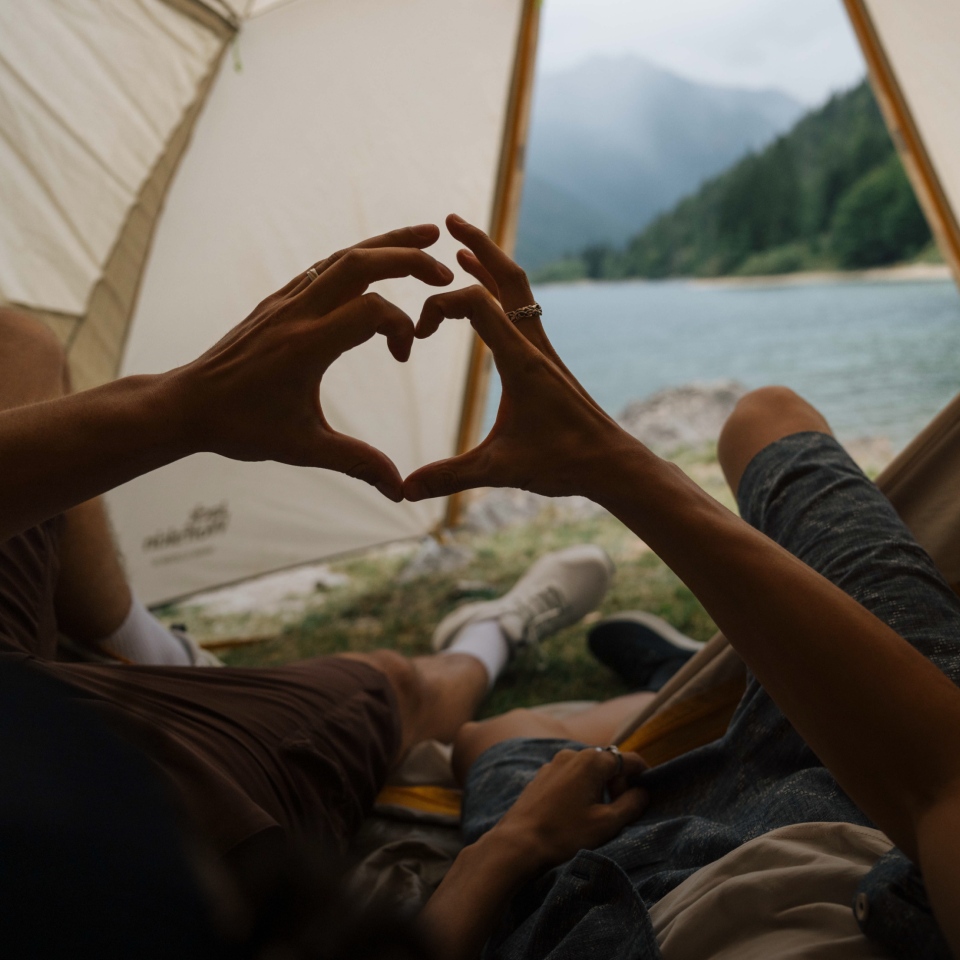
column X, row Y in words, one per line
column 628, row 802
column 485, row 315
column 361, row 318
column 350, row 276
column 505, row 280
column 358, row 459
column 478, row 271
column 420, row 236
column 443, row 478
column 509, row 278
column 633, row 765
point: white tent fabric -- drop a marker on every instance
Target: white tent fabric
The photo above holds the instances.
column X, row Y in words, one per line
column 921, row 42
column 329, row 121
column 71, row 172
column 911, row 49
column 344, row 121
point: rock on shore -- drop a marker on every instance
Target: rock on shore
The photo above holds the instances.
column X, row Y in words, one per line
column 682, row 417
column 667, row 421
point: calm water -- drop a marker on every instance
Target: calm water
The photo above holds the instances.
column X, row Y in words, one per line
column 879, row 359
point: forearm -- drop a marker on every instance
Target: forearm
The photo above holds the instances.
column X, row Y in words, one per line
column 56, row 454
column 460, row 916
column 844, row 679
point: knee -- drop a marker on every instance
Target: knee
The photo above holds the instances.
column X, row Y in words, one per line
column 405, row 679
column 759, row 418
column 465, row 737
column 29, row 334
column 465, row 748
column 475, row 736
column 765, row 403
column 30, row 346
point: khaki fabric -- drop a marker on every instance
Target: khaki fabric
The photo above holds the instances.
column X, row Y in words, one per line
column 916, row 43
column 923, row 483
column 788, row 894
column 694, row 707
column 90, row 94
column 165, row 164
column 343, row 121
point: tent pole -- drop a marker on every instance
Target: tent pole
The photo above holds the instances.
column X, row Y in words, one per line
column 906, row 136
column 503, row 229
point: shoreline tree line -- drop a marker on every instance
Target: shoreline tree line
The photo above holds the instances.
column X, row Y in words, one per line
column 829, row 194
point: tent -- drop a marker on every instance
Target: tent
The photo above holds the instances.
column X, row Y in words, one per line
column 165, row 164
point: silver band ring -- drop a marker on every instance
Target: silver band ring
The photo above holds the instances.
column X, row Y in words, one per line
column 312, row 274
column 615, row 750
column 524, row 313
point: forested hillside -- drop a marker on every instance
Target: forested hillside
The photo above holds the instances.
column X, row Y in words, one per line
column 616, row 141
column 829, row 194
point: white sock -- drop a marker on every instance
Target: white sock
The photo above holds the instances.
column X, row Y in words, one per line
column 485, row 642
column 144, row 639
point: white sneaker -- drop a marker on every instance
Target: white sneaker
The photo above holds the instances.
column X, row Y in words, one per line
column 559, row 589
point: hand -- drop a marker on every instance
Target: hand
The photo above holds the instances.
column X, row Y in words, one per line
column 561, row 811
column 549, row 433
column 255, row 395
column 507, row 282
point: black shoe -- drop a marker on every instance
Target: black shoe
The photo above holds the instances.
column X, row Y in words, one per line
column 642, row 649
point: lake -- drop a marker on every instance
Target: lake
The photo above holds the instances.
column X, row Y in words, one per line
column 878, row 359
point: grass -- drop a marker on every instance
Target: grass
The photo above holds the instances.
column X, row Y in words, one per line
column 372, row 609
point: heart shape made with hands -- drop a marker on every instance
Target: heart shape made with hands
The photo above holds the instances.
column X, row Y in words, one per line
column 260, row 392
column 548, row 429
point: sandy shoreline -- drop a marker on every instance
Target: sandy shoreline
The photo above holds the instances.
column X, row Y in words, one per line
column 901, row 273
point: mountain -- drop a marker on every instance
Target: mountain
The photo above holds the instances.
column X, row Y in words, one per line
column 615, row 141
column 829, row 194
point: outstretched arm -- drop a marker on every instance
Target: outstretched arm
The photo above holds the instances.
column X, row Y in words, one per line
column 252, row 396
column 900, row 764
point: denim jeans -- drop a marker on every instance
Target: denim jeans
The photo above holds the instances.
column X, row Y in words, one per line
column 804, row 492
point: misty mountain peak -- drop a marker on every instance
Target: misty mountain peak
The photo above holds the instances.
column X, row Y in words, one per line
column 616, row 140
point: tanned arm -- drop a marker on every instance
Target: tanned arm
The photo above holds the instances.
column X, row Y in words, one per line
column 252, row 396
column 848, row 683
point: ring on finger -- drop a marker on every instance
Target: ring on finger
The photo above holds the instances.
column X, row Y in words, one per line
column 312, row 274
column 525, row 313
column 615, row 750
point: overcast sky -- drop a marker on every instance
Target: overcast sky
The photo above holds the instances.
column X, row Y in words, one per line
column 804, row 47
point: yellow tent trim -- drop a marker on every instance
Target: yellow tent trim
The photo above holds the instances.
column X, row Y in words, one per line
column 683, row 726
column 437, row 801
column 691, row 723
column 503, row 229
column 906, row 135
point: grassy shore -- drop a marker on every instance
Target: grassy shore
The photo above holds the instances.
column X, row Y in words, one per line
column 367, row 606
column 370, row 608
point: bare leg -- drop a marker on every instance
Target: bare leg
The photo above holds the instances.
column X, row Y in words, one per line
column 595, row 726
column 93, row 596
column 761, row 417
column 436, row 694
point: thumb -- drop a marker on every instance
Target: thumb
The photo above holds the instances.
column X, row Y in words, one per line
column 358, row 459
column 445, row 477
